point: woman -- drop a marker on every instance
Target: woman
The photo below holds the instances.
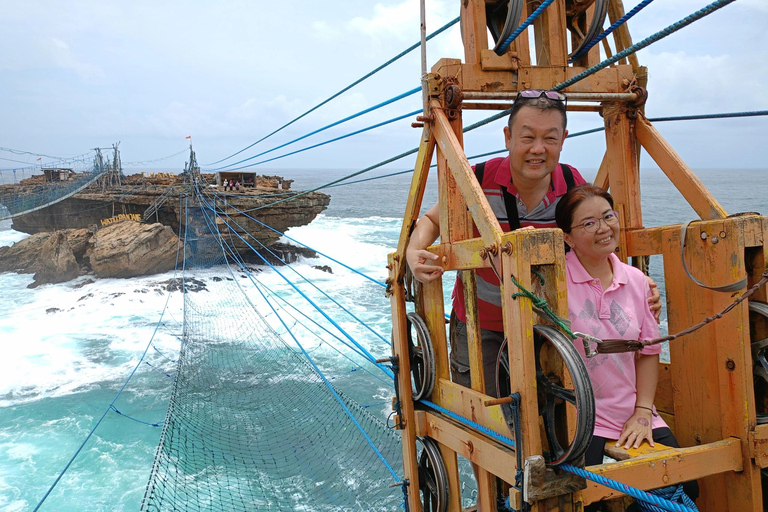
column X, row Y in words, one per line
column 607, row 298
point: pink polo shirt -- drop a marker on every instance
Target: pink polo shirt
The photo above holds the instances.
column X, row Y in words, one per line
column 619, row 312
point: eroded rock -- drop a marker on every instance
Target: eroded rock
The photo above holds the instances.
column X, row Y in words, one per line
column 131, row 249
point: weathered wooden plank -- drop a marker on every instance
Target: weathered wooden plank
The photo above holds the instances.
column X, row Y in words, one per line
column 665, row 400
column 667, row 467
column 400, row 350
column 474, row 342
column 621, row 34
column 434, row 317
column 518, row 328
column 622, row 164
column 473, row 30
column 472, row 77
column 759, row 449
column 413, row 204
column 649, row 241
column 711, row 370
column 550, row 34
column 475, row 447
column 470, row 404
column 450, row 145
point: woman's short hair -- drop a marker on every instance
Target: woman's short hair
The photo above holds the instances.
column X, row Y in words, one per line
column 568, row 203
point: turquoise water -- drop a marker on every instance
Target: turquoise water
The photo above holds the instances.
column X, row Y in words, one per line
column 68, row 348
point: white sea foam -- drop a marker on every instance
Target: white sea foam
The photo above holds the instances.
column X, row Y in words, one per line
column 62, row 339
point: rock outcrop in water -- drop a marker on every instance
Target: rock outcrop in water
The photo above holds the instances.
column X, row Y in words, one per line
column 123, row 249
column 97, row 230
column 131, row 249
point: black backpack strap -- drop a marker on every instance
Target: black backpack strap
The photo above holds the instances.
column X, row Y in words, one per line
column 510, row 203
column 480, row 172
column 568, row 176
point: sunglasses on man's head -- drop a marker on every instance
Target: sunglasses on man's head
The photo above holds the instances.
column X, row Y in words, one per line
column 538, row 93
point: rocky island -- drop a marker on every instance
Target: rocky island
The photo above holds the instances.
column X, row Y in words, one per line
column 131, row 227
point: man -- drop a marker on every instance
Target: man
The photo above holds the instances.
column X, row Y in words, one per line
column 533, row 180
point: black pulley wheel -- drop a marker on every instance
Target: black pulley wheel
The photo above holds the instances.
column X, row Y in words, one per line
column 595, row 25
column 554, row 398
column 421, row 356
column 758, row 326
column 433, row 478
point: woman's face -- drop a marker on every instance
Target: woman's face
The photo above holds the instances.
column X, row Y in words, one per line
column 593, row 212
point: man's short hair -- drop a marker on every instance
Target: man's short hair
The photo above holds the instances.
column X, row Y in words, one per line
column 542, row 103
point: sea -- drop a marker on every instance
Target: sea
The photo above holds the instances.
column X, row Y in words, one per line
column 69, row 349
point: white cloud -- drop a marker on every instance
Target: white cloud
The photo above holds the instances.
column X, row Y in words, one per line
column 62, row 56
column 401, row 20
column 680, row 83
column 324, row 31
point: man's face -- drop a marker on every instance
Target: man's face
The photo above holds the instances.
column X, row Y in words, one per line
column 534, row 143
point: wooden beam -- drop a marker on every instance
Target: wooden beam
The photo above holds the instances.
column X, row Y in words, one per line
column 621, row 34
column 712, row 368
column 481, row 212
column 649, row 241
column 434, row 317
column 550, row 32
column 488, row 454
column 667, row 467
column 413, row 204
column 400, row 350
column 473, row 29
column 686, row 182
column 470, row 404
column 622, row 164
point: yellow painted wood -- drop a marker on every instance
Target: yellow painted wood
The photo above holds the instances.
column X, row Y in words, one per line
column 434, row 317
column 474, row 31
column 470, row 404
column 485, row 220
column 649, row 241
column 413, row 204
column 518, row 328
column 711, row 371
column 400, row 350
column 622, row 164
column 668, row 467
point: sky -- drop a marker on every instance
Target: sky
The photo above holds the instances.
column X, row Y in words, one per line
column 82, row 74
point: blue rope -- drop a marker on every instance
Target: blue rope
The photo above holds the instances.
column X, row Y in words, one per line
column 371, row 358
column 673, row 493
column 535, row 14
column 112, row 403
column 156, row 424
column 308, row 247
column 659, row 501
column 639, row 7
column 378, row 125
column 645, row 42
column 481, row 428
column 333, row 390
column 367, row 354
column 390, row 61
column 391, row 100
column 237, row 259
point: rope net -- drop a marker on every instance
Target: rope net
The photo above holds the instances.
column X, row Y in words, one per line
column 253, row 422
column 42, row 188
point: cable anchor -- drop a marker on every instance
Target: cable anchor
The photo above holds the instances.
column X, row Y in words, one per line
column 587, row 339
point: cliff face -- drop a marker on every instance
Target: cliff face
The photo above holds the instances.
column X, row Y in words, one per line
column 101, row 207
column 122, row 249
